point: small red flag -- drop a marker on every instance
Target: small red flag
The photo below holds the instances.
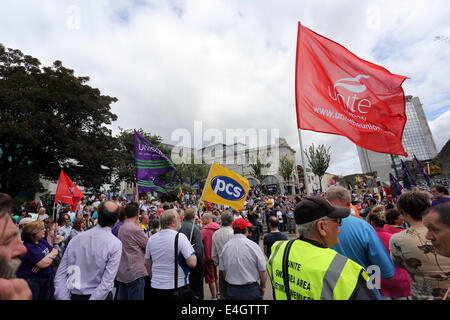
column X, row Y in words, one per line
column 67, row 191
column 340, row 93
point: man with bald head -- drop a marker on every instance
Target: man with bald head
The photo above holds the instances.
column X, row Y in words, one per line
column 91, row 260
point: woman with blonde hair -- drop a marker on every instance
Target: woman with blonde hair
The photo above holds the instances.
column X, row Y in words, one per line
column 36, row 263
column 41, row 214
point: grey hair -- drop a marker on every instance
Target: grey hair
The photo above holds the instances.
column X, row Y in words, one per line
column 338, row 193
column 309, row 228
column 167, row 217
column 226, row 218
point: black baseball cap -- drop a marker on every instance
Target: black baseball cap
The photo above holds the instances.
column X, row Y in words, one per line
column 313, row 208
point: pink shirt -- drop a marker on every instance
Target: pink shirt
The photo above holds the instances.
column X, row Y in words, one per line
column 400, row 286
column 132, row 262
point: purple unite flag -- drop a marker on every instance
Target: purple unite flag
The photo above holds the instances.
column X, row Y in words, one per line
column 396, row 188
column 408, row 180
column 427, row 178
column 150, row 162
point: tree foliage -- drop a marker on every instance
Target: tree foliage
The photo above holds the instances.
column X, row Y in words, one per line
column 319, row 160
column 257, row 169
column 51, row 120
column 192, row 172
column 286, row 168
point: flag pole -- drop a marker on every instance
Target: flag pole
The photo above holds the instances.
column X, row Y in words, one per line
column 305, row 178
column 204, row 187
column 54, row 216
column 137, row 193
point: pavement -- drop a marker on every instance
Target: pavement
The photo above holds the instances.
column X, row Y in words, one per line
column 268, row 292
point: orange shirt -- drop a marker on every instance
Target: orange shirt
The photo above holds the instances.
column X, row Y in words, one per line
column 354, row 211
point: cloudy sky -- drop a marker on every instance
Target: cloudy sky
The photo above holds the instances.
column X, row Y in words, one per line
column 230, row 63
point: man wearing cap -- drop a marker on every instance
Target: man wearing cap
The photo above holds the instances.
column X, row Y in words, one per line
column 306, row 268
column 359, row 241
column 242, row 264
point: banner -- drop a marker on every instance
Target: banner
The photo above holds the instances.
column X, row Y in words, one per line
column 340, row 93
column 67, row 191
column 225, row 187
column 425, row 175
column 150, row 162
column 396, row 188
column 151, row 184
column 408, row 180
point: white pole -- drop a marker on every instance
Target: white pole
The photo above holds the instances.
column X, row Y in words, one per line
column 303, row 161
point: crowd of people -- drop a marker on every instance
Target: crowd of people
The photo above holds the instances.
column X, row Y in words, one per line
column 120, row 249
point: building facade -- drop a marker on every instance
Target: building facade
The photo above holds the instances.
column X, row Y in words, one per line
column 417, row 140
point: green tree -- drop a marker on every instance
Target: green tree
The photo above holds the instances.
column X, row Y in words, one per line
column 257, row 169
column 51, row 120
column 319, row 160
column 286, row 168
column 192, row 172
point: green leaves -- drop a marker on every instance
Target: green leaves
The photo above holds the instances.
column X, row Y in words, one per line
column 286, row 168
column 50, row 120
column 319, row 160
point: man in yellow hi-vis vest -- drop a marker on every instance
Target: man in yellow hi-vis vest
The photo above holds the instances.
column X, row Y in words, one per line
column 306, row 268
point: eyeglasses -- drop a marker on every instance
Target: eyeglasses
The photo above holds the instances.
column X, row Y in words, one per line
column 337, row 220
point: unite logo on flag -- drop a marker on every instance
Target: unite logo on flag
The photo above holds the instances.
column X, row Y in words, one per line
column 340, row 93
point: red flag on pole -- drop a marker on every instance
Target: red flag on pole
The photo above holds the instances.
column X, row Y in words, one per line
column 67, row 191
column 340, row 93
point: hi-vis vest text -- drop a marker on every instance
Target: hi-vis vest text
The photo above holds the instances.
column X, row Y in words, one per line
column 313, row 273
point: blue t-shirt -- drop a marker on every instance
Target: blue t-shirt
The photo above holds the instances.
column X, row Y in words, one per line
column 35, row 253
column 359, row 242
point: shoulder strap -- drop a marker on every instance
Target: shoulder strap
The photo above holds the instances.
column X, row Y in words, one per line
column 287, row 249
column 176, row 260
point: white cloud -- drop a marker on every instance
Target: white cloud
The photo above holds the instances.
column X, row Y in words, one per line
column 229, row 63
column 439, row 129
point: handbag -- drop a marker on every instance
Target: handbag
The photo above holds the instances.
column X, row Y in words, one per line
column 184, row 293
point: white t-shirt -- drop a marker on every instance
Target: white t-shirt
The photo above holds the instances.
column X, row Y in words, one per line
column 160, row 249
column 280, row 216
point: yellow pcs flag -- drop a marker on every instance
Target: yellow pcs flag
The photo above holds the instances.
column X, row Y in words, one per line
column 225, row 187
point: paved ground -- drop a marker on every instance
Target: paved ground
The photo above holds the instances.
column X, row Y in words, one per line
column 268, row 293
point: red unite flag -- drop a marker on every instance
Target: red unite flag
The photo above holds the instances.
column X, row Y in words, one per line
column 67, row 191
column 340, row 93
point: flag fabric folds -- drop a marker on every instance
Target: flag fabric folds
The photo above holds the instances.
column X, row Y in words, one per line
column 408, row 180
column 180, row 193
column 67, row 191
column 150, row 163
column 151, row 184
column 340, row 93
column 225, row 187
column 425, row 175
column 396, row 188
